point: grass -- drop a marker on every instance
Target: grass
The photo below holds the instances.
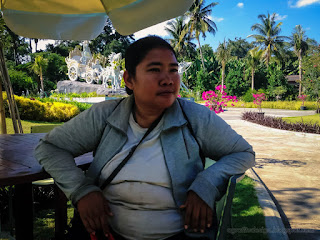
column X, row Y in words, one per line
column 44, row 223
column 247, row 215
column 305, row 119
column 26, row 125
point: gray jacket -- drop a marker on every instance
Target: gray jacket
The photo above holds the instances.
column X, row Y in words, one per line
column 102, row 129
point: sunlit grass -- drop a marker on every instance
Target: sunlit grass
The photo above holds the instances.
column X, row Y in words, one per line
column 26, row 125
column 246, row 212
column 305, row 119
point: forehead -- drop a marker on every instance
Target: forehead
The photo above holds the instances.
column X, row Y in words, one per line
column 159, row 55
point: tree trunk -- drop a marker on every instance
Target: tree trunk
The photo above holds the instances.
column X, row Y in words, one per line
column 204, row 68
column 252, row 79
column 41, row 80
column 300, row 72
column 222, row 74
column 36, row 44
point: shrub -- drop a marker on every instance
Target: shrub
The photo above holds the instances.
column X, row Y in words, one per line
column 290, row 105
column 278, row 123
column 32, row 109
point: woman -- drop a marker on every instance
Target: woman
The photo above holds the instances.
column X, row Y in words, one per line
column 162, row 192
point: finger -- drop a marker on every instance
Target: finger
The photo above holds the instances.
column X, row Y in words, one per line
column 195, row 218
column 105, row 225
column 187, row 217
column 92, row 225
column 88, row 227
column 203, row 219
column 209, row 217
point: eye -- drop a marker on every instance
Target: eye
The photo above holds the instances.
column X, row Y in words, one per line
column 154, row 70
column 174, row 70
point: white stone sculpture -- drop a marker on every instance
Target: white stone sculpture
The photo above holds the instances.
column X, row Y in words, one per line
column 183, row 67
column 81, row 65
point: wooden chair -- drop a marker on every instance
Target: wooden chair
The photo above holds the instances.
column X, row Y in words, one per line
column 60, row 199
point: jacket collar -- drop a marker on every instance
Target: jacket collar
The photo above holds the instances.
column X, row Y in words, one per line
column 119, row 118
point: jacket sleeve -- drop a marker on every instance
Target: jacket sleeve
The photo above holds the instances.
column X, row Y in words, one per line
column 232, row 153
column 57, row 150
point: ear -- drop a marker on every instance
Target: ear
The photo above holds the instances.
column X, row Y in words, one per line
column 128, row 80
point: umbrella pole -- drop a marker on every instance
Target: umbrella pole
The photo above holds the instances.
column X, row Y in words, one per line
column 10, row 96
column 2, row 113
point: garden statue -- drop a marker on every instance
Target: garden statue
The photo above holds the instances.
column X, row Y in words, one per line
column 84, row 65
column 183, row 67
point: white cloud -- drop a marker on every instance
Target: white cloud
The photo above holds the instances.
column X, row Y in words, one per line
column 279, row 17
column 216, row 19
column 158, row 29
column 303, row 3
column 240, row 5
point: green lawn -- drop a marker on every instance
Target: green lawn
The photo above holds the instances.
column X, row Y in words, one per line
column 26, row 125
column 306, row 119
column 247, row 215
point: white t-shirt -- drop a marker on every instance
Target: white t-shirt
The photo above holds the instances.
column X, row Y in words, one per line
column 140, row 196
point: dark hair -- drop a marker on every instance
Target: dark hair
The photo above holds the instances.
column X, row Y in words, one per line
column 137, row 51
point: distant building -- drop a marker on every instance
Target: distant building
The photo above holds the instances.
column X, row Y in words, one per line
column 293, row 80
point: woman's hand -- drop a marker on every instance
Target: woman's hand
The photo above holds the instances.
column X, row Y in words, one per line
column 94, row 212
column 198, row 215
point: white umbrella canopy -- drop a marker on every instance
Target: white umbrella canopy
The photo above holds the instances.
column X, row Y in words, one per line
column 85, row 19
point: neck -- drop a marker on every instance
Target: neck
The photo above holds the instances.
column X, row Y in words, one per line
column 145, row 117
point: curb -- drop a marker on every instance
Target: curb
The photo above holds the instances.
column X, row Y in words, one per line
column 274, row 225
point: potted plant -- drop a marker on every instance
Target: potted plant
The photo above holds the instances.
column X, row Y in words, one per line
column 258, row 98
column 216, row 100
column 303, row 99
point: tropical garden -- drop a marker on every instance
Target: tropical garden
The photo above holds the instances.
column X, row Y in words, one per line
column 250, row 72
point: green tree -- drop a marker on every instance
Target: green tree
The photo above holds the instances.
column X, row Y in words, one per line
column 199, row 22
column 182, row 44
column 236, row 80
column 223, row 55
column 268, row 35
column 300, row 45
column 239, row 47
column 253, row 60
column 38, row 67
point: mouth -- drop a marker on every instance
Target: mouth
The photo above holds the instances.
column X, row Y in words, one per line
column 165, row 93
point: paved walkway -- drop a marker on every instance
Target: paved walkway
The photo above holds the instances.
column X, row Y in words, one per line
column 288, row 163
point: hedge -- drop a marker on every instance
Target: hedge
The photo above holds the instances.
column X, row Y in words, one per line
column 32, row 109
column 290, row 105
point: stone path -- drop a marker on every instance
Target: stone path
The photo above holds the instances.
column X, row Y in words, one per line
column 289, row 164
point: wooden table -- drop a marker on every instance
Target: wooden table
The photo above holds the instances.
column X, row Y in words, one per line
column 19, row 167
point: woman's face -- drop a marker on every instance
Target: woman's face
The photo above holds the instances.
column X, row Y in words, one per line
column 157, row 82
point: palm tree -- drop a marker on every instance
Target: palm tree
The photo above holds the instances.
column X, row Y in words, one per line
column 253, row 59
column 300, row 45
column 268, row 36
column 38, row 66
column 183, row 45
column 200, row 22
column 223, row 54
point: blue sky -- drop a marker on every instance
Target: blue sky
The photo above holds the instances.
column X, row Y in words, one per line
column 235, row 18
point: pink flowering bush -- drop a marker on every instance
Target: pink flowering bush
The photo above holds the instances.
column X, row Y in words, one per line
column 258, row 98
column 216, row 100
column 302, row 98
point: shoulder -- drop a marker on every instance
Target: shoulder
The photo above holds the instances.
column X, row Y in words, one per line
column 194, row 110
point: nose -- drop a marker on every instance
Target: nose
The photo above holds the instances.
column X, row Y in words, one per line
column 166, row 79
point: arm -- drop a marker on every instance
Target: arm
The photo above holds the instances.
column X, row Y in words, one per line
column 57, row 150
column 233, row 155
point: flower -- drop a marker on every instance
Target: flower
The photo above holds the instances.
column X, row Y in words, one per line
column 258, row 98
column 302, row 98
column 215, row 101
